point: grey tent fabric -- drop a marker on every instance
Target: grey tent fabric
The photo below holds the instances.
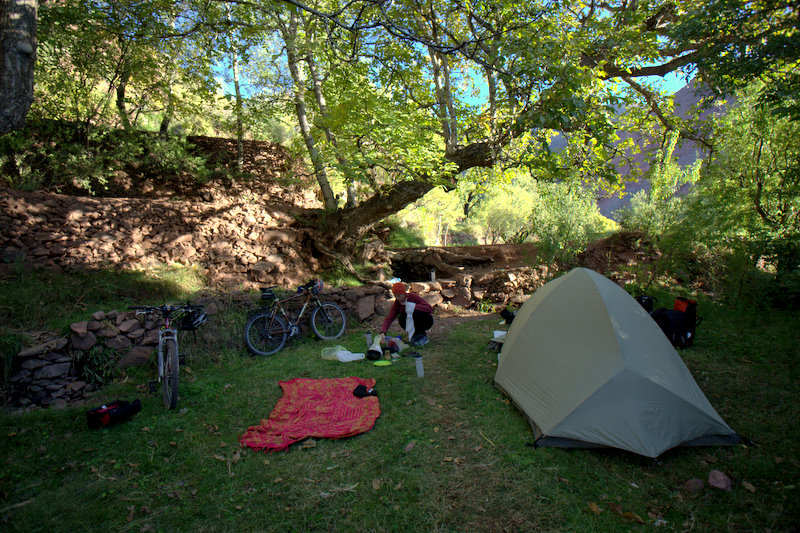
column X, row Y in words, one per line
column 589, row 367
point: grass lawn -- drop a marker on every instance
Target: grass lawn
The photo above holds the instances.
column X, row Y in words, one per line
column 448, row 452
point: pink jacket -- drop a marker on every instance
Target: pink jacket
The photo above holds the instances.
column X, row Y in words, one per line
column 397, row 307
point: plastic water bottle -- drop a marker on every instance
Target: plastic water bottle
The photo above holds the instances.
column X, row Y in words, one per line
column 418, row 362
column 368, row 338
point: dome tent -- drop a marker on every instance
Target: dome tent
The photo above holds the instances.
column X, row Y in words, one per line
column 589, row 367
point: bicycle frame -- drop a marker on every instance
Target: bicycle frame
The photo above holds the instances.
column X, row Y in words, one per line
column 164, row 334
column 266, row 332
column 293, row 327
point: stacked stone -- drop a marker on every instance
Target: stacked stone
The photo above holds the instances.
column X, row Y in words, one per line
column 45, row 376
column 231, row 239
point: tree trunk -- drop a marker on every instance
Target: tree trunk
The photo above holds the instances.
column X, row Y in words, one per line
column 122, row 109
column 17, row 59
column 238, row 111
column 341, row 231
column 293, row 58
column 322, row 103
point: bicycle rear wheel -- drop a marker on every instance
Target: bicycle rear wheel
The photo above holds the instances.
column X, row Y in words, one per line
column 169, row 384
column 328, row 321
column 264, row 336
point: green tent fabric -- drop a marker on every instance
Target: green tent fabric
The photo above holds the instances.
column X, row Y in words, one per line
column 589, row 367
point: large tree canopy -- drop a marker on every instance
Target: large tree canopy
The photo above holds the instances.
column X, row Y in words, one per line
column 393, row 98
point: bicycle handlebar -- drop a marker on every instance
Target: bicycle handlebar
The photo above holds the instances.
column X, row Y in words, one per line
column 165, row 309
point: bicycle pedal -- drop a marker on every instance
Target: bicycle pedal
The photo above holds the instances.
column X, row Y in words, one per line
column 152, row 386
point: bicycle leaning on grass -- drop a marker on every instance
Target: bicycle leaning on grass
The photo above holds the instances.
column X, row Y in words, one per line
column 176, row 318
column 269, row 328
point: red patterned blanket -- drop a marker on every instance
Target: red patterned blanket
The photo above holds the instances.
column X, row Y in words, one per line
column 315, row 408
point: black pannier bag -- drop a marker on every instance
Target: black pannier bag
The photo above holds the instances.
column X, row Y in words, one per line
column 679, row 323
column 111, row 413
column 646, row 302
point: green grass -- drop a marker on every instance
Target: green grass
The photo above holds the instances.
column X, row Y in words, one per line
column 448, row 452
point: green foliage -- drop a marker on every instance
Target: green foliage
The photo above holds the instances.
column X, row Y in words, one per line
column 655, row 211
column 52, row 155
column 564, row 221
column 403, row 235
column 502, row 214
column 433, row 217
column 97, row 365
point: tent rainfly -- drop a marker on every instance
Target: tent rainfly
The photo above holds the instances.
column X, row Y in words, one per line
column 589, row 367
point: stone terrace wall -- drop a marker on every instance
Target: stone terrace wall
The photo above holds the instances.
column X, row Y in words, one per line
column 232, row 240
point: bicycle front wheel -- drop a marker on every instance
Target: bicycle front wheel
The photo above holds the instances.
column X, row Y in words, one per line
column 264, row 335
column 169, row 383
column 328, row 321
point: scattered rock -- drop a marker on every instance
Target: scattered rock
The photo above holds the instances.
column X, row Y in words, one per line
column 719, row 480
column 694, row 486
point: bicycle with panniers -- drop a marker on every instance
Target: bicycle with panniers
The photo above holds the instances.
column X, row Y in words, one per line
column 174, row 318
column 269, row 327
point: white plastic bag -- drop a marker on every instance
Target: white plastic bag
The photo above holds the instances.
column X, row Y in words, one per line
column 346, row 357
column 329, row 353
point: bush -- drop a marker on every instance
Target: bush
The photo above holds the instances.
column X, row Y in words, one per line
column 63, row 156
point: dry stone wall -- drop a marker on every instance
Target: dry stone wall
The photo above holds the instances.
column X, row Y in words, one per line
column 231, row 239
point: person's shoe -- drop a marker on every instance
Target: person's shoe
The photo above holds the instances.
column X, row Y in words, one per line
column 422, row 340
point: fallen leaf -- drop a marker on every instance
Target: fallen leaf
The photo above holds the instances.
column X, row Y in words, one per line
column 219, row 457
column 227, row 386
column 376, row 484
column 410, row 446
column 748, row 486
column 448, row 459
column 633, row 517
column 595, row 509
column 615, row 508
column 173, row 443
column 145, row 428
column 477, row 448
column 564, row 480
column 710, row 459
column 131, row 513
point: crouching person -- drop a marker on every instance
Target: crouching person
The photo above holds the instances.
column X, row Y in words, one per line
column 408, row 304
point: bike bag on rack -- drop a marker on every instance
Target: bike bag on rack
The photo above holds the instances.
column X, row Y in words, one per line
column 192, row 320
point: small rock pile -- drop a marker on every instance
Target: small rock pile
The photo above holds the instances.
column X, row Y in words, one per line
column 45, row 376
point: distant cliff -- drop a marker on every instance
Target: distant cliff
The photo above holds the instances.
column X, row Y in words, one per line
column 687, row 152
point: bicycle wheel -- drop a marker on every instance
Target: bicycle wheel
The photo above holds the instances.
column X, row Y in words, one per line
column 265, row 337
column 169, row 385
column 328, row 321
